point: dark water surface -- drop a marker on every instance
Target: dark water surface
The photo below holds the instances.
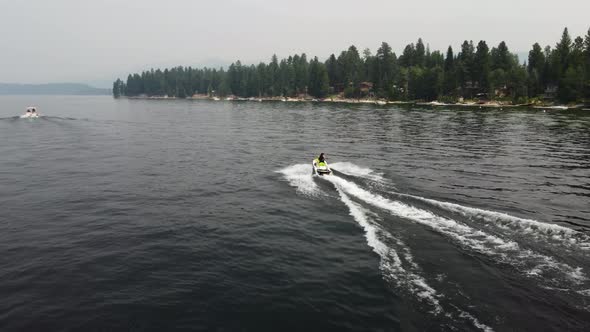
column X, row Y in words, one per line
column 140, row 215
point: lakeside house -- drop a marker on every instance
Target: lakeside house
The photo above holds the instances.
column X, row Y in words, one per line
column 550, row 92
column 501, row 92
column 366, row 89
column 470, row 89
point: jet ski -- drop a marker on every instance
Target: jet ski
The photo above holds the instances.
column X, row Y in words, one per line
column 321, row 169
column 30, row 113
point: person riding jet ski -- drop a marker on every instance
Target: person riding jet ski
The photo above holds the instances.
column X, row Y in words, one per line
column 320, row 165
column 30, row 113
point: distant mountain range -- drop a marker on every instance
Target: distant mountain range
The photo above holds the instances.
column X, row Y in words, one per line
column 51, row 89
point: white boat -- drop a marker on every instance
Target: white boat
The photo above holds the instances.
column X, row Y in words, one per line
column 30, row 113
column 559, row 107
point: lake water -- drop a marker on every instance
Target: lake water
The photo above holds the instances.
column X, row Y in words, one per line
column 171, row 215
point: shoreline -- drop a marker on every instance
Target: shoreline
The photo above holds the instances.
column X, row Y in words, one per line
column 376, row 102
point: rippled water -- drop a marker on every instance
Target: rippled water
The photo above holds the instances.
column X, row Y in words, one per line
column 179, row 215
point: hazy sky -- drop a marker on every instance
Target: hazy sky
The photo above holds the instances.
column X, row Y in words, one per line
column 97, row 40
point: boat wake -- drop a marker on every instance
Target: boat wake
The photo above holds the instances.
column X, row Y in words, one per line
column 497, row 237
column 300, row 177
column 361, row 172
column 501, row 248
column 544, row 232
column 402, row 270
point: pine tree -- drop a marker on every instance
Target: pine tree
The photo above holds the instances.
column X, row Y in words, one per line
column 560, row 64
column 116, row 91
column 224, row 86
column 450, row 76
column 501, row 58
column 408, row 56
column 576, row 57
column 419, row 54
column 536, row 69
column 332, row 67
column 385, row 68
column 481, row 66
column 273, row 76
column 263, row 87
column 323, row 81
column 301, row 71
column 434, row 83
column 318, row 79
column 571, row 87
column 465, row 67
column 563, row 49
column 353, row 68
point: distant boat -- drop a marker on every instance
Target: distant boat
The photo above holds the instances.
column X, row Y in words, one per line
column 553, row 107
column 216, row 98
column 31, row 112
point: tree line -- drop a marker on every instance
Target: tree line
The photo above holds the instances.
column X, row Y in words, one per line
column 561, row 72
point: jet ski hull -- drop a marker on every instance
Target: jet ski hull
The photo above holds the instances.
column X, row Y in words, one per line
column 29, row 116
column 31, row 113
column 321, row 170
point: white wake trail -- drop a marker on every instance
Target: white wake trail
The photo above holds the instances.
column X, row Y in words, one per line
column 361, row 172
column 499, row 247
column 402, row 271
column 539, row 230
column 392, row 265
column 504, row 250
column 300, row 177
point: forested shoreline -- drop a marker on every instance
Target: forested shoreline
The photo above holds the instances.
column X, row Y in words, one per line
column 550, row 74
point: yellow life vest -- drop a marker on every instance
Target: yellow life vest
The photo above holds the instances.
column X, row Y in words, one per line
column 320, row 163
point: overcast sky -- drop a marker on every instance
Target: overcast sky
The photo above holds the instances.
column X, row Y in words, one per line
column 97, row 40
